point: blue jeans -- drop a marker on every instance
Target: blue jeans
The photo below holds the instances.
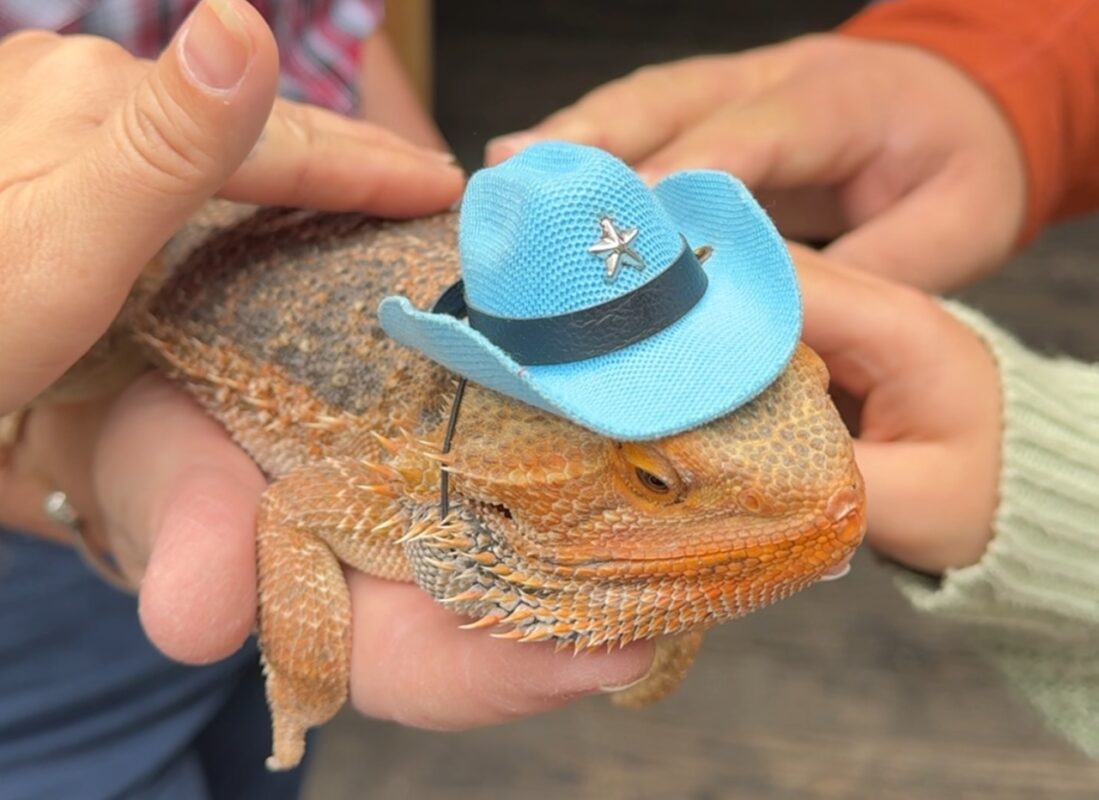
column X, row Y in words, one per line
column 90, row 709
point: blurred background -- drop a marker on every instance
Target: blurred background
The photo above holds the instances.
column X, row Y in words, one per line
column 840, row 692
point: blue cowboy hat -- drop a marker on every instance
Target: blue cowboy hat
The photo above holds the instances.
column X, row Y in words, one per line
column 588, row 297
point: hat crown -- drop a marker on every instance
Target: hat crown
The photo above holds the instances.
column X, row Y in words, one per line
column 528, row 225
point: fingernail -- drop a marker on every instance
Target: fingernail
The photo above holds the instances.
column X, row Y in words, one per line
column 444, row 156
column 594, row 671
column 640, row 665
column 216, row 47
column 508, row 145
column 621, row 687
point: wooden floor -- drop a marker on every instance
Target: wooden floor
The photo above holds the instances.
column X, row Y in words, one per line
column 840, row 692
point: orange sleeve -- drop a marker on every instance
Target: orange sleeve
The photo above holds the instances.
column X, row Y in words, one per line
column 1039, row 60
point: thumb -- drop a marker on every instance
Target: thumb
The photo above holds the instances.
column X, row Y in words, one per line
column 166, row 148
column 913, row 515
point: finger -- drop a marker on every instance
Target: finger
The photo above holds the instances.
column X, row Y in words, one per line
column 861, row 325
column 178, row 494
column 773, row 139
column 314, row 158
column 177, row 137
column 168, row 146
column 412, row 663
column 920, row 529
column 918, row 240
column 634, row 115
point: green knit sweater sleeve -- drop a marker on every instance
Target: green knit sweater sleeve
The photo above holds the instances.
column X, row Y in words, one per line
column 1032, row 602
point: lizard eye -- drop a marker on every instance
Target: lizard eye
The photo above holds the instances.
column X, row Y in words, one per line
column 648, row 474
column 651, row 482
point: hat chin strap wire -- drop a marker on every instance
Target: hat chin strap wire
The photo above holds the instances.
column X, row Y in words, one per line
column 444, row 475
column 452, row 302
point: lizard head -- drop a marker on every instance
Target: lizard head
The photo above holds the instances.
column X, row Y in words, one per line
column 558, row 533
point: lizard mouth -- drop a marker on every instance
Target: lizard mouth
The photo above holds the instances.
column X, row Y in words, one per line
column 479, row 571
column 497, row 510
column 829, row 538
column 839, row 530
column 491, row 518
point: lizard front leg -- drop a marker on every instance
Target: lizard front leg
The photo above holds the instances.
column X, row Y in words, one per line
column 310, row 521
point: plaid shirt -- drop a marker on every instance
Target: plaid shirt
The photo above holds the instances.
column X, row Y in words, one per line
column 318, row 39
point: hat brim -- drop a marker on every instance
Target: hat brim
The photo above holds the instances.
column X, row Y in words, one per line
column 726, row 350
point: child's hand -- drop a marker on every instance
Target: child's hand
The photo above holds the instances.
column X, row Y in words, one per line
column 929, row 411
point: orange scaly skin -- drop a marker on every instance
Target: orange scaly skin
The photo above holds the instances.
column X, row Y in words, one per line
column 555, row 532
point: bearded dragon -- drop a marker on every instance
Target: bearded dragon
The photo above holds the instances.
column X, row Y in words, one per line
column 553, row 533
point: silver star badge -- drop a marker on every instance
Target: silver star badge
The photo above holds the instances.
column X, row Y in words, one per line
column 614, row 246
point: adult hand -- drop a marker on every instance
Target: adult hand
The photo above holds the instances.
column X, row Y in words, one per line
column 177, row 502
column 895, row 154
column 929, row 411
column 107, row 156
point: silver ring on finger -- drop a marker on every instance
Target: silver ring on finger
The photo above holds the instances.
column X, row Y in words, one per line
column 60, row 510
